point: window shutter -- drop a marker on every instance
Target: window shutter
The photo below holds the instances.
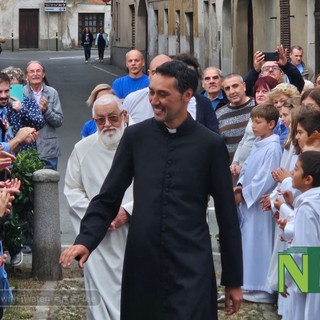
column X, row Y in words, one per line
column 285, row 23
column 133, row 26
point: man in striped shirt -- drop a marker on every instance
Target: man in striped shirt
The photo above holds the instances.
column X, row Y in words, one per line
column 234, row 116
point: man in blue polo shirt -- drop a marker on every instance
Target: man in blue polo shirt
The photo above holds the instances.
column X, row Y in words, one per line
column 135, row 79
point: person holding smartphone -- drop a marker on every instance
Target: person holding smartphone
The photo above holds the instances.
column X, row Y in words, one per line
column 22, row 111
column 10, row 142
column 282, row 70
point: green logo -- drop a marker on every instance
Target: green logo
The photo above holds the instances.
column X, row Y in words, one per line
column 306, row 276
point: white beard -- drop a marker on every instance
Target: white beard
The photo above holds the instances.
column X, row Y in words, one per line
column 112, row 138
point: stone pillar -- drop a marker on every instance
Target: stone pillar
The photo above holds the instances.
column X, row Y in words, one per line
column 46, row 239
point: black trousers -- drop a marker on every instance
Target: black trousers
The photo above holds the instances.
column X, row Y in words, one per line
column 101, row 52
column 87, row 51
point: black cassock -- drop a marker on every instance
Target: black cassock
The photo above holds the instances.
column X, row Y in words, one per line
column 168, row 268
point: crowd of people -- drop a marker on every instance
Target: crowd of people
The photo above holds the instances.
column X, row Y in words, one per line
column 269, row 121
column 163, row 142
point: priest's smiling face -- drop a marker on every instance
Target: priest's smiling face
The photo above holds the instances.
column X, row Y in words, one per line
column 169, row 105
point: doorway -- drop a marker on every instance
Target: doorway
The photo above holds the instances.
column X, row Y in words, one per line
column 29, row 28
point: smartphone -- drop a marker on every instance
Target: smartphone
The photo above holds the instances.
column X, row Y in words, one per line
column 16, row 91
column 271, row 56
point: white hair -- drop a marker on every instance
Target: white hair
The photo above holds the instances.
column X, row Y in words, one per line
column 308, row 85
column 107, row 99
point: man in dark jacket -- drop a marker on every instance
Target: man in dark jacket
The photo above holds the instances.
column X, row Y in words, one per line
column 203, row 111
column 168, row 268
column 282, row 70
column 212, row 84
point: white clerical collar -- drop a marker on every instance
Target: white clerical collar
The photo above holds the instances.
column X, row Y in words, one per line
column 172, row 130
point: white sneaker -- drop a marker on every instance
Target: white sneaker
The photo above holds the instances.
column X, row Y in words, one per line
column 221, row 297
column 259, row 297
column 17, row 259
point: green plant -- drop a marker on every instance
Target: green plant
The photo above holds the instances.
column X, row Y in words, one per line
column 19, row 224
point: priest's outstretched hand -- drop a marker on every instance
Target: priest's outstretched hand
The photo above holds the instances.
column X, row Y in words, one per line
column 78, row 252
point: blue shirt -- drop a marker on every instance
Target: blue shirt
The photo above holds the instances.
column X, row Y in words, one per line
column 88, row 128
column 282, row 131
column 125, row 85
column 300, row 67
column 216, row 100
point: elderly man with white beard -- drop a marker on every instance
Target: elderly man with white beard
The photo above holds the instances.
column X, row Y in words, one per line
column 88, row 165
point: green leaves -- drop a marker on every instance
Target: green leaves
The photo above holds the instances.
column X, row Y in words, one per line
column 19, row 224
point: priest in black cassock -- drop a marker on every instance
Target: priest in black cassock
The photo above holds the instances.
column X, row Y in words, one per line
column 175, row 164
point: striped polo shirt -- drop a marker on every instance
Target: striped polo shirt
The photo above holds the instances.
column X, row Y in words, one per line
column 233, row 122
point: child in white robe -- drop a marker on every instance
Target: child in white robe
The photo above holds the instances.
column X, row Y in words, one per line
column 286, row 220
column 282, row 176
column 311, row 143
column 306, row 178
column 256, row 225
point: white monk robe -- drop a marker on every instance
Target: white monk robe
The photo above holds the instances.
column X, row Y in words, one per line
column 305, row 306
column 87, row 168
column 257, row 225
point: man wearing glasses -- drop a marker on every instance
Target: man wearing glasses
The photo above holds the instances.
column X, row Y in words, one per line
column 212, row 85
column 87, row 168
column 282, row 70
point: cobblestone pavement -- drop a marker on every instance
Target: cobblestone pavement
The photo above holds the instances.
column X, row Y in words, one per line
column 251, row 311
column 64, row 291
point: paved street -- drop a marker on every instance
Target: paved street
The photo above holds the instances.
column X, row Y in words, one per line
column 74, row 80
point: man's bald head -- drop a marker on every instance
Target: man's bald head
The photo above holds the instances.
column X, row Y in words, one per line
column 135, row 63
column 156, row 62
column 134, row 52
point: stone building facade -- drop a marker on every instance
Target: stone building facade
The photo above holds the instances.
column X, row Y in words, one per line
column 27, row 25
column 223, row 33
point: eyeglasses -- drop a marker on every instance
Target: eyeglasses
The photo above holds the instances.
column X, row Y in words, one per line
column 273, row 68
column 112, row 118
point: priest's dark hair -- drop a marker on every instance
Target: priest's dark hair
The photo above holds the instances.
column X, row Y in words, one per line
column 186, row 78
